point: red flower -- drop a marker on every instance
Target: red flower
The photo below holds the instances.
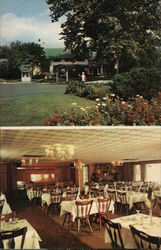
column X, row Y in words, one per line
column 138, row 110
column 92, row 122
column 145, row 107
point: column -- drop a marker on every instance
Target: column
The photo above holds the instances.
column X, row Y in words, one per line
column 67, row 75
column 102, row 72
column 57, row 75
column 79, row 164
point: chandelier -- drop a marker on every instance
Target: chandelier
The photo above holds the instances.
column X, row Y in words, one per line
column 60, row 152
column 117, row 163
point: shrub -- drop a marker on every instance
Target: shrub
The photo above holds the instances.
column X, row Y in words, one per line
column 90, row 91
column 138, row 81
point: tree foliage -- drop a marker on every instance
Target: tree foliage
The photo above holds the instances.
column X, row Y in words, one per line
column 110, row 29
column 18, row 53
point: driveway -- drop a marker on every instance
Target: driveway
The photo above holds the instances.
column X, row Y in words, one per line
column 8, row 91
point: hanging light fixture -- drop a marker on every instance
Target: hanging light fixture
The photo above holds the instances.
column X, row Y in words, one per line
column 60, row 152
column 117, row 163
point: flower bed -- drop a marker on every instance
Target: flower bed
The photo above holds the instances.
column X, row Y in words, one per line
column 111, row 110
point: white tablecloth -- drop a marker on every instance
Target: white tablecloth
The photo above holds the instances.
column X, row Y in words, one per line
column 46, row 198
column 132, row 197
column 70, row 206
column 6, row 209
column 32, row 238
column 141, row 222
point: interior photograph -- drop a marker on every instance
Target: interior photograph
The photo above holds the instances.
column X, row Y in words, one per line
column 65, row 188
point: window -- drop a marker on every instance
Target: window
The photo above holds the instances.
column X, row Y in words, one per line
column 153, row 172
column 137, row 173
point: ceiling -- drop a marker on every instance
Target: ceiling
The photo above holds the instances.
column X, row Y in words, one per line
column 94, row 145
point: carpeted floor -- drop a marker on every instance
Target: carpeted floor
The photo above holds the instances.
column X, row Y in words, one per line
column 52, row 234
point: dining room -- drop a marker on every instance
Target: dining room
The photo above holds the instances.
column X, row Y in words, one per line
column 68, row 188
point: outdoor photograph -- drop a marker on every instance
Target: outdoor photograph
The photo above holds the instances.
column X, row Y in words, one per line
column 80, row 63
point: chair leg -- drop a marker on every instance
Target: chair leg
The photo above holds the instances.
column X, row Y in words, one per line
column 78, row 226
column 89, row 224
column 65, row 217
column 100, row 219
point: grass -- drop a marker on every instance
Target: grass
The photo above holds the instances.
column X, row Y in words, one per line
column 34, row 110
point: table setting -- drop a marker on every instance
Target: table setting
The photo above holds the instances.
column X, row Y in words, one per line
column 32, row 238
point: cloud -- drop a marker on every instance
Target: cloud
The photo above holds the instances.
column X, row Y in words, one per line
column 29, row 29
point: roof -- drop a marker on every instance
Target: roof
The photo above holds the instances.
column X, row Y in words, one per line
column 57, row 53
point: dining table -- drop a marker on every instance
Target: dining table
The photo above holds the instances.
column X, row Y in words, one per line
column 70, row 207
column 32, row 239
column 132, row 196
column 145, row 223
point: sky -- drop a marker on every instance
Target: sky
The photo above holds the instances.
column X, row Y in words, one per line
column 28, row 21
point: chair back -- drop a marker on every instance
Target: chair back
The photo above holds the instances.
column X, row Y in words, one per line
column 72, row 195
column 158, row 204
column 74, row 189
column 6, row 235
column 142, row 239
column 83, row 208
column 1, row 205
column 56, row 198
column 112, row 195
column 114, row 231
column 122, row 197
column 84, row 196
column 103, row 205
column 94, row 192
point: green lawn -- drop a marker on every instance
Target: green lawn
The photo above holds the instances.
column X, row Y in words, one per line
column 33, row 110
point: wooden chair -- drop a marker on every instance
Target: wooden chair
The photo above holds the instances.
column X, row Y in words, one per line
column 72, row 195
column 1, row 205
column 55, row 202
column 157, row 206
column 83, row 212
column 103, row 209
column 114, row 231
column 11, row 235
column 112, row 196
column 122, row 200
column 143, row 240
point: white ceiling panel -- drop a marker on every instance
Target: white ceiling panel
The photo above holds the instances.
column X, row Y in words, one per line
column 91, row 144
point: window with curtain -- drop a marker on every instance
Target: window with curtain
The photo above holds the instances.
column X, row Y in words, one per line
column 137, row 173
column 153, row 172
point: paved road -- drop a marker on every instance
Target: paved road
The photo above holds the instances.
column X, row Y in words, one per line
column 29, row 89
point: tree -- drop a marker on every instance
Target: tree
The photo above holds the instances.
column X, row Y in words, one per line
column 18, row 53
column 111, row 30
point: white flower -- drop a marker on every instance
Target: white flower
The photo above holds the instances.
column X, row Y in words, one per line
column 98, row 104
column 137, row 95
column 104, row 98
column 129, row 106
column 123, row 102
column 74, row 104
column 112, row 94
column 103, row 104
column 141, row 96
column 97, row 99
column 83, row 109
